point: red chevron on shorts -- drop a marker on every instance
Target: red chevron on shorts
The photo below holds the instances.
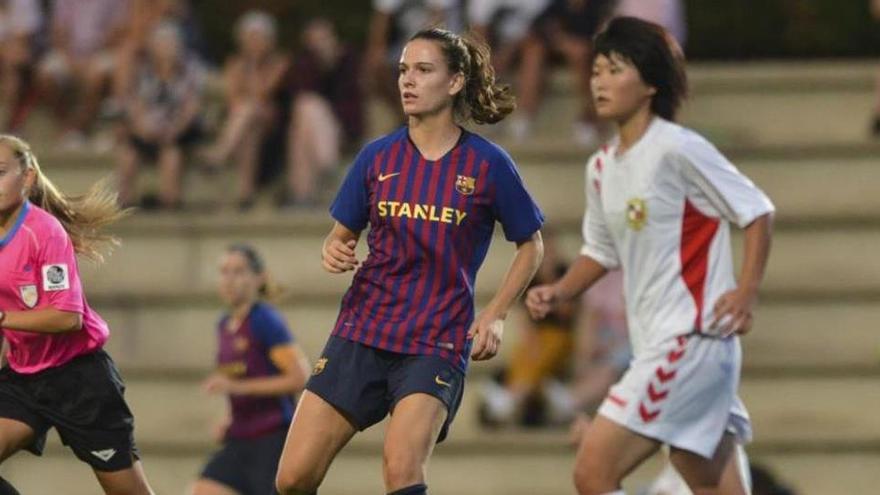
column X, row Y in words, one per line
column 647, row 416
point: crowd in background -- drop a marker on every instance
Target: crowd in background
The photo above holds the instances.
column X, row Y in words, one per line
column 130, row 77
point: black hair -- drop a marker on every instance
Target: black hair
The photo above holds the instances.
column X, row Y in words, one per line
column 482, row 99
column 654, row 53
column 268, row 290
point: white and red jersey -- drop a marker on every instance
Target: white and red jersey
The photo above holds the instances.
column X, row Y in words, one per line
column 661, row 211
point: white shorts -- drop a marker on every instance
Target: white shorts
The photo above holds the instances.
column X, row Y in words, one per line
column 683, row 393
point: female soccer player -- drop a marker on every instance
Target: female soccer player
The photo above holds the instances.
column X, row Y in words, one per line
column 260, row 368
column 57, row 374
column 660, row 202
column 431, row 193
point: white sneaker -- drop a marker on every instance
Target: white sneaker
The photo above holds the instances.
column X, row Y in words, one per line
column 498, row 401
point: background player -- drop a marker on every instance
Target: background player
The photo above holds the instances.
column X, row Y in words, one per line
column 660, row 202
column 431, row 193
column 260, row 368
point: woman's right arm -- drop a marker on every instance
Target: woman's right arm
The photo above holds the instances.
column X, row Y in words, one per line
column 580, row 276
column 337, row 254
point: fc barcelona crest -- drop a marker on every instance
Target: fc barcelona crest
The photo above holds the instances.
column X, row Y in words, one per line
column 465, row 185
column 28, row 295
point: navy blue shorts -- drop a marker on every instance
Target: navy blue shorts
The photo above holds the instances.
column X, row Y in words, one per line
column 247, row 465
column 365, row 383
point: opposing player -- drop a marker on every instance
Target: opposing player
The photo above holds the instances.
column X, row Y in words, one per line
column 661, row 199
column 260, row 368
column 57, row 374
column 431, row 193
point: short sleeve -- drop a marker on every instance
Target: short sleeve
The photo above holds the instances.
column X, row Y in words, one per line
column 512, row 205
column 712, row 179
column 60, row 285
column 598, row 243
column 351, row 205
column 269, row 328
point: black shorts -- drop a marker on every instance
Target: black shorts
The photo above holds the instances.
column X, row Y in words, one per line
column 365, row 383
column 247, row 465
column 83, row 400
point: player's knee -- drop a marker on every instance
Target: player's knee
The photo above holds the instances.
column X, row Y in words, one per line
column 293, row 482
column 400, row 469
column 590, row 480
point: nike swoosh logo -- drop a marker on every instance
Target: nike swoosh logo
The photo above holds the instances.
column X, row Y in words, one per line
column 383, row 178
column 439, row 381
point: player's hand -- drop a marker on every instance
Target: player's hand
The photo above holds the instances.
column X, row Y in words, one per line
column 733, row 313
column 218, row 383
column 486, row 332
column 541, row 299
column 220, row 428
column 338, row 256
column 579, row 426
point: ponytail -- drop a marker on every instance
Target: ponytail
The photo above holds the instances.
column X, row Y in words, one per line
column 481, row 100
column 83, row 217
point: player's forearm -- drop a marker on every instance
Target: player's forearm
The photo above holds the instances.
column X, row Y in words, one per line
column 42, row 321
column 580, row 276
column 525, row 263
column 755, row 253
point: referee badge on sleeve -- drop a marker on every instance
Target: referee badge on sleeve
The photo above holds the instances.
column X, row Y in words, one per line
column 29, row 295
column 55, row 277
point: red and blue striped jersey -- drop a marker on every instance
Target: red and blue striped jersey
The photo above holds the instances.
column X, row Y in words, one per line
column 431, row 223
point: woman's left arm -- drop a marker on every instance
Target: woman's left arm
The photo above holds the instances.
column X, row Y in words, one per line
column 733, row 310
column 41, row 321
column 488, row 327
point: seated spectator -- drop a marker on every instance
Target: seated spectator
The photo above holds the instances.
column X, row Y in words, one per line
column 566, row 27
column 529, row 392
column 20, row 23
column 327, row 111
column 144, row 17
column 504, row 24
column 84, row 37
column 667, row 13
column 391, row 26
column 253, row 78
column 162, row 118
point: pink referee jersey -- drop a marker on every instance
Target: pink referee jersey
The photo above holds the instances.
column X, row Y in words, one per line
column 40, row 272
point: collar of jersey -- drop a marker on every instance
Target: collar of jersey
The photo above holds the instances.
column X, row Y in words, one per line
column 18, row 221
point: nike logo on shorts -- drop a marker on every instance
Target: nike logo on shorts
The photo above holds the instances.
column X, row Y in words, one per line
column 383, row 178
column 439, row 381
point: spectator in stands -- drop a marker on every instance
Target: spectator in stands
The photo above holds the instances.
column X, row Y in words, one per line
column 253, row 78
column 542, row 355
column 144, row 17
column 327, row 111
column 163, row 116
column 84, row 37
column 565, row 27
column 875, row 124
column 20, row 22
column 393, row 23
column 504, row 24
column 668, row 13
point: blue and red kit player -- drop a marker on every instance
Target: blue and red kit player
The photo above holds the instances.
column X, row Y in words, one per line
column 431, row 193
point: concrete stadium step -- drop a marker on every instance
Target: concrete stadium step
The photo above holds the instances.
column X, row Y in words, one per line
column 788, row 415
column 448, row 474
column 843, row 179
column 789, row 337
column 823, row 259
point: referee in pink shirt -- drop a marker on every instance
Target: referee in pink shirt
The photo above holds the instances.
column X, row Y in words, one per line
column 57, row 374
